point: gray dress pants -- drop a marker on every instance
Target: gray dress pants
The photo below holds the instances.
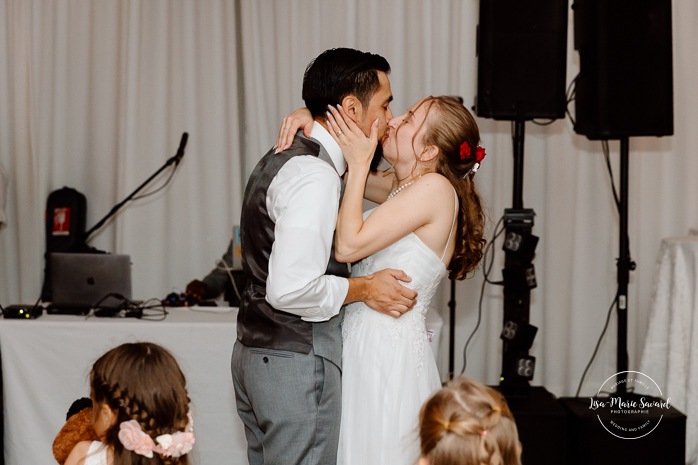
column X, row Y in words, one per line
column 290, row 404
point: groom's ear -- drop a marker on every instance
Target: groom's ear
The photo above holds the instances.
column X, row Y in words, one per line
column 352, row 107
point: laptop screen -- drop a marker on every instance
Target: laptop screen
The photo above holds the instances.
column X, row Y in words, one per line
column 83, row 280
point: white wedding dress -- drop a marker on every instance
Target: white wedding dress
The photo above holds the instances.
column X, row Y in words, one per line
column 388, row 366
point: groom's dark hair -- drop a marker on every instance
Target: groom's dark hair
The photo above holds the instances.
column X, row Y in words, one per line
column 339, row 72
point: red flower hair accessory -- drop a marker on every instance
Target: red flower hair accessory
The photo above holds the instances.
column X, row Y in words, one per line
column 465, row 152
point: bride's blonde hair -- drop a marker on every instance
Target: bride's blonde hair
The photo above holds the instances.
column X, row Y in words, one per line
column 449, row 125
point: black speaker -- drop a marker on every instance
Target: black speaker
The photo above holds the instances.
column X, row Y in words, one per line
column 624, row 87
column 522, row 57
column 542, row 425
column 590, row 443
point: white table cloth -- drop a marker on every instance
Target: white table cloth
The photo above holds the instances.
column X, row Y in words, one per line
column 670, row 354
column 46, row 363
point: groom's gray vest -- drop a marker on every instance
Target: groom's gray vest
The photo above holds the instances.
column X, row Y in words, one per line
column 259, row 324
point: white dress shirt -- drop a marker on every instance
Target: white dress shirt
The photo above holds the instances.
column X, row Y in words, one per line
column 302, row 201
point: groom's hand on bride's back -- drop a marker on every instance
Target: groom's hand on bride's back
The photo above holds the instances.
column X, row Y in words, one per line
column 383, row 291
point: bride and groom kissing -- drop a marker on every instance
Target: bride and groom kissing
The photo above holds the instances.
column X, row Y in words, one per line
column 332, row 364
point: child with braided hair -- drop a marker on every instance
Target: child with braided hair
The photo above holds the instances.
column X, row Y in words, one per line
column 467, row 423
column 140, row 410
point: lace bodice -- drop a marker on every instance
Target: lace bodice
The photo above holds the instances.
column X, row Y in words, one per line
column 426, row 269
column 389, row 368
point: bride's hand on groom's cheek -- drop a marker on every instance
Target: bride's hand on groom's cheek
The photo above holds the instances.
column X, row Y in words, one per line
column 299, row 119
column 357, row 148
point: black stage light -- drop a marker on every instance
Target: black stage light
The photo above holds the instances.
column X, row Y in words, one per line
column 520, row 245
column 526, row 366
column 520, row 277
column 519, row 335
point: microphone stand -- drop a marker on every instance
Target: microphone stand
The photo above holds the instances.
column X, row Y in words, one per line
column 174, row 159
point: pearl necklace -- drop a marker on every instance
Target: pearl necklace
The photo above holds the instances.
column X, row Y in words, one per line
column 397, row 191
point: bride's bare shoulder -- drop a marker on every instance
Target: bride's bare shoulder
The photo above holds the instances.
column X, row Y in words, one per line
column 435, row 182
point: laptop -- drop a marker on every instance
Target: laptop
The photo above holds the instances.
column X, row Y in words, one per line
column 81, row 281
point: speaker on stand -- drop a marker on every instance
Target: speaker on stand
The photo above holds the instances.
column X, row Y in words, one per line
column 522, row 58
column 624, row 89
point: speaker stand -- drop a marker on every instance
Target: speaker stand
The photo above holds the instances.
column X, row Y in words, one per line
column 518, row 142
column 519, row 278
column 625, row 265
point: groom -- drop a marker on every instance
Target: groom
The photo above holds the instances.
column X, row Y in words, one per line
column 286, row 361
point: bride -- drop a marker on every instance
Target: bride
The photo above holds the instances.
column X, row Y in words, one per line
column 429, row 224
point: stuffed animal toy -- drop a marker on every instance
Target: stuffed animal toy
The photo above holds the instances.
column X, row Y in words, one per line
column 78, row 427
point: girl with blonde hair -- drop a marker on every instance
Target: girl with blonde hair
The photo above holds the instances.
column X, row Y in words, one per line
column 467, row 423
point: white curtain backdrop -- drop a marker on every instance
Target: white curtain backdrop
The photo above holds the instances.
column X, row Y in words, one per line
column 96, row 94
